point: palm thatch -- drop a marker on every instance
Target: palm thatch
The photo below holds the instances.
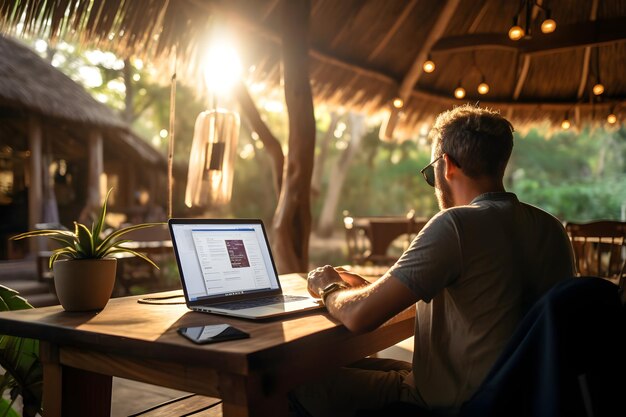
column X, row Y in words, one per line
column 29, row 82
column 366, row 53
column 31, row 87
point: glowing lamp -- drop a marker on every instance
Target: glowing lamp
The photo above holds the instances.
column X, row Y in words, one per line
column 548, row 26
column 483, row 88
column 398, row 103
column 565, row 124
column 611, row 118
column 516, row 33
column 598, row 89
column 429, row 66
column 459, row 92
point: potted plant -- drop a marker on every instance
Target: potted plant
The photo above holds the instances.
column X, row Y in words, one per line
column 83, row 267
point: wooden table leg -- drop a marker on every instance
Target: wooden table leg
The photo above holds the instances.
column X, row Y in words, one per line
column 72, row 392
column 243, row 397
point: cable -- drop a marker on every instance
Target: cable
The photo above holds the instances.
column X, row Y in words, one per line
column 161, row 300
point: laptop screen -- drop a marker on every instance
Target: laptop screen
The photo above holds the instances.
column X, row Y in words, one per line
column 219, row 258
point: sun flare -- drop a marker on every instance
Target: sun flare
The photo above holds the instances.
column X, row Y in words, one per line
column 222, row 67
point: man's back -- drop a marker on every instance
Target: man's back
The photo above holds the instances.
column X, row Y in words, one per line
column 481, row 266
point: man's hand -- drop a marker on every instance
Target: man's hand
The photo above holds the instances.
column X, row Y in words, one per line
column 351, row 278
column 320, row 277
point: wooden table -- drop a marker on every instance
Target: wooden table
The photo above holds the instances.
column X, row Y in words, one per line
column 380, row 231
column 82, row 351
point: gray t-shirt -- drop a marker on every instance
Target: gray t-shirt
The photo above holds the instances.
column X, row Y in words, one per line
column 476, row 269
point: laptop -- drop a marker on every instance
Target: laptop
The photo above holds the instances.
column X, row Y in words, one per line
column 226, row 267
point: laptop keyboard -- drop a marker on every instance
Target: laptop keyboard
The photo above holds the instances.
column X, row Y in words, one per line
column 260, row 302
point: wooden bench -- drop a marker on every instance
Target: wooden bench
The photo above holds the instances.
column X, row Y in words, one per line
column 188, row 405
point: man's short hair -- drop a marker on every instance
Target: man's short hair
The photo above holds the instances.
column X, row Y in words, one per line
column 479, row 140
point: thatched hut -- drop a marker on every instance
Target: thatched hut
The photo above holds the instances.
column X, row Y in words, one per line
column 57, row 144
column 368, row 56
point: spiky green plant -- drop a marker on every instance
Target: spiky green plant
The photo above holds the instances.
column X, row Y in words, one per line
column 86, row 243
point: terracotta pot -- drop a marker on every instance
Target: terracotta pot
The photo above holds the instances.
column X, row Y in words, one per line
column 84, row 284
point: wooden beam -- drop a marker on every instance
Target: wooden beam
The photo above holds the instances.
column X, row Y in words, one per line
column 447, row 100
column 413, row 75
column 483, row 9
column 566, row 37
column 348, row 25
column 584, row 76
column 35, row 187
column 521, row 79
column 342, row 63
column 393, row 30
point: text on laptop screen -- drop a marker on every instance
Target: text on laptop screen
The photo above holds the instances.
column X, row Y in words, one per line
column 223, row 259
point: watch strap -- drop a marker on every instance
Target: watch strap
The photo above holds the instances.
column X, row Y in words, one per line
column 331, row 288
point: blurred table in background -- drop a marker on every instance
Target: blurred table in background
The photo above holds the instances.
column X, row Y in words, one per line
column 370, row 238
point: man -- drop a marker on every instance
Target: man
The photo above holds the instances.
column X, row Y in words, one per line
column 474, row 271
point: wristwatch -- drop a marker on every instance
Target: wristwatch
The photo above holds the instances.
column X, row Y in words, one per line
column 330, row 288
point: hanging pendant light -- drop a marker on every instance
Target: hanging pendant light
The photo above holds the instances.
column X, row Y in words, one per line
column 548, row 25
column 566, row 124
column 212, row 159
column 459, row 92
column 517, row 31
column 598, row 88
column 483, row 87
column 429, row 65
column 611, row 118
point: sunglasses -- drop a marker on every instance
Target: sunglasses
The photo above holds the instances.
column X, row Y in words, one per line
column 429, row 172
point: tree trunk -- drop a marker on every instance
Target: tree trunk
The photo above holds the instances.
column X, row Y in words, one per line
column 292, row 220
column 272, row 145
column 318, row 168
column 129, row 111
column 327, row 217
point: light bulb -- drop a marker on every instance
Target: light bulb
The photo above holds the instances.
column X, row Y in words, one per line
column 548, row 26
column 516, row 33
column 459, row 92
column 565, row 124
column 598, row 89
column 483, row 88
column 611, row 118
column 398, row 103
column 429, row 66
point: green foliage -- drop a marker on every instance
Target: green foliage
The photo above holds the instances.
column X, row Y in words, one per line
column 85, row 243
column 384, row 179
column 20, row 358
column 575, row 176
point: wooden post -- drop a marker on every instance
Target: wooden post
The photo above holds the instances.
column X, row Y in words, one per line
column 292, row 218
column 35, row 186
column 95, row 169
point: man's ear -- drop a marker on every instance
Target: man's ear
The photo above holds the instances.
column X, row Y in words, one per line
column 451, row 168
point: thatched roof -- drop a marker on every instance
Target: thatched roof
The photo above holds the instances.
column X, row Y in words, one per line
column 31, row 87
column 366, row 53
column 29, row 82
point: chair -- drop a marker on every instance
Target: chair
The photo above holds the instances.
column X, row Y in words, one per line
column 599, row 248
column 564, row 359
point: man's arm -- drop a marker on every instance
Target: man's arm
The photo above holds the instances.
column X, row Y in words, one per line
column 364, row 308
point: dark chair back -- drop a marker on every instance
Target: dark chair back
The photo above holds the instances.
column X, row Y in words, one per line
column 565, row 359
